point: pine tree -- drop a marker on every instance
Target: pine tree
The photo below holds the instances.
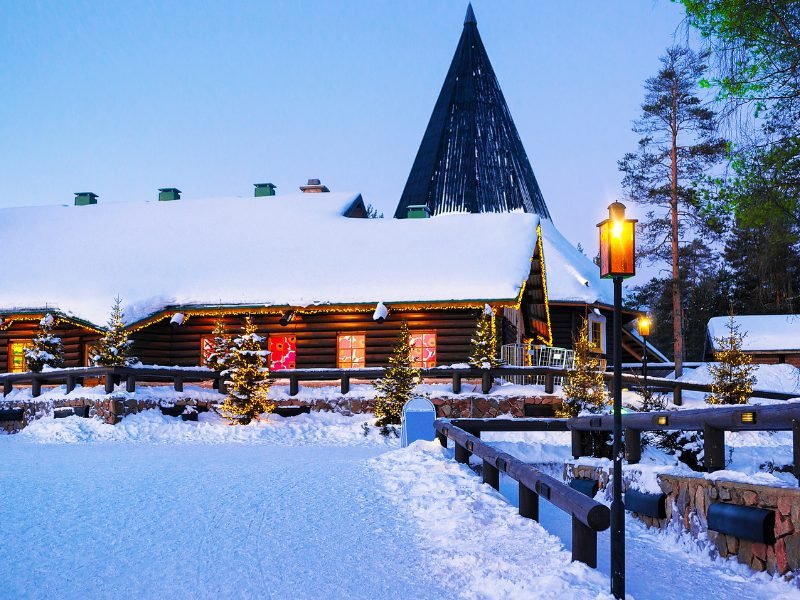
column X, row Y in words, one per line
column 484, row 342
column 217, row 359
column 247, row 377
column 47, row 350
column 113, row 348
column 396, row 386
column 585, row 387
column 733, row 374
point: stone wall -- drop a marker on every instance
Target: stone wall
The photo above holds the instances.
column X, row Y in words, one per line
column 688, row 499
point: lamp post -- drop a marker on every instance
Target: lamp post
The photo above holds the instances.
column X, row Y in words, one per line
column 644, row 330
column 617, row 249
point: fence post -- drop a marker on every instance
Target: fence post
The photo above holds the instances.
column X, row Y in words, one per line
column 109, row 382
column 70, row 384
column 528, row 503
column 130, row 383
column 796, row 447
column 36, row 387
column 456, row 383
column 548, row 383
column 486, row 382
column 714, row 448
column 491, row 475
column 462, row 454
column 577, row 443
column 677, row 395
column 442, row 439
column 584, row 543
column 178, row 384
column 294, row 388
column 345, row 384
column 7, row 387
column 633, row 445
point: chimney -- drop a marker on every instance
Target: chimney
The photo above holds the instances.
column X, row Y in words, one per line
column 418, row 211
column 314, row 187
column 165, row 194
column 264, row 189
column 85, row 198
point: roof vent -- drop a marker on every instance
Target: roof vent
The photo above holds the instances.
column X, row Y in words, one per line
column 165, row 194
column 264, row 189
column 85, row 198
column 418, row 211
column 314, row 187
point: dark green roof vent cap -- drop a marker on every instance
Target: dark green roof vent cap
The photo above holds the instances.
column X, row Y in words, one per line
column 418, row 211
column 165, row 194
column 85, row 198
column 264, row 189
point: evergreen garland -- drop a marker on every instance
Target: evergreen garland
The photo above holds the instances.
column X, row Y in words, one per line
column 246, row 375
column 47, row 350
column 222, row 342
column 733, row 373
column 396, row 386
column 484, row 342
column 113, row 348
column 585, row 387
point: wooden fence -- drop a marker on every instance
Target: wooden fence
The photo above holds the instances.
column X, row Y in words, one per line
column 588, row 515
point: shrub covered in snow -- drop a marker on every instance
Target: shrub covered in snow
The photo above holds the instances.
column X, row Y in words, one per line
column 222, row 344
column 47, row 349
column 734, row 374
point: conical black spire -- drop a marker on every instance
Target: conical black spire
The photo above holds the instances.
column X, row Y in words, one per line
column 471, row 158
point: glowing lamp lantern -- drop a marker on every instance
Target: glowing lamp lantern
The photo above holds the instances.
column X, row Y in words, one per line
column 643, row 326
column 617, row 243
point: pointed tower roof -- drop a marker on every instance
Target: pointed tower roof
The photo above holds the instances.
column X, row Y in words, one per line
column 471, row 158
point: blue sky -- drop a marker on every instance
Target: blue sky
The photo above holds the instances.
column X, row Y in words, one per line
column 121, row 98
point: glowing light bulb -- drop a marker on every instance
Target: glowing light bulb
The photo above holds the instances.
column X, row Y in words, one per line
column 617, row 228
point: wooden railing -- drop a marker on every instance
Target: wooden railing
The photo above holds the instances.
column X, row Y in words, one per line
column 588, row 515
column 713, row 422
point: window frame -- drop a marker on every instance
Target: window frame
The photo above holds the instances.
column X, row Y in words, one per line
column 25, row 343
column 282, row 336
column 601, row 321
column 342, row 334
column 423, row 332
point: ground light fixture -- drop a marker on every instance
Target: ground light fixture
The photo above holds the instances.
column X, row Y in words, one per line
column 617, row 261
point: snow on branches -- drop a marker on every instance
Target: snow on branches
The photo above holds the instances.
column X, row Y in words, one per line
column 484, row 342
column 113, row 348
column 396, row 386
column 47, row 350
column 584, row 388
column 733, row 373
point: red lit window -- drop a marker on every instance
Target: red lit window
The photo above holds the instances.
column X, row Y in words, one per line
column 206, row 348
column 351, row 350
column 283, row 352
column 423, row 349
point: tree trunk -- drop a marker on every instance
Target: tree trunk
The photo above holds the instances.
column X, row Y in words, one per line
column 677, row 310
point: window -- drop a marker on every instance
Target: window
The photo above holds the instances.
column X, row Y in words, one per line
column 351, row 350
column 423, row 349
column 206, row 348
column 597, row 332
column 16, row 355
column 89, row 351
column 283, row 352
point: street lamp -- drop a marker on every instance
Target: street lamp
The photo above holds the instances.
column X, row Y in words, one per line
column 617, row 253
column 643, row 326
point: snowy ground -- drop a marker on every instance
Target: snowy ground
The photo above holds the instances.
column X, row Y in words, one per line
column 299, row 508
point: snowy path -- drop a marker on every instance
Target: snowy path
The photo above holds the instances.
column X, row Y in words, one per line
column 200, row 521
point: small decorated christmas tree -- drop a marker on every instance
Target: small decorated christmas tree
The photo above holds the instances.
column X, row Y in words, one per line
column 585, row 388
column 216, row 360
column 733, row 373
column 247, row 377
column 47, row 350
column 484, row 342
column 396, row 386
column 114, row 348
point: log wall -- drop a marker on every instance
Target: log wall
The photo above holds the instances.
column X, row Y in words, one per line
column 73, row 337
column 316, row 335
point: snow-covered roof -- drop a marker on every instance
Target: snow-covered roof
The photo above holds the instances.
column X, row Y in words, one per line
column 761, row 332
column 571, row 276
column 285, row 250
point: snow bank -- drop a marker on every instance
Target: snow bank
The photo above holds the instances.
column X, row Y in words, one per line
column 151, row 427
column 302, row 239
column 477, row 540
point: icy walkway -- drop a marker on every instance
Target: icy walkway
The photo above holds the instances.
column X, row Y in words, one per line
column 200, row 521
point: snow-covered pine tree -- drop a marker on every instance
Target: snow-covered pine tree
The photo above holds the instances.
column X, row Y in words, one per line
column 734, row 372
column 222, row 342
column 113, row 348
column 247, row 377
column 396, row 386
column 47, row 348
column 584, row 388
column 484, row 342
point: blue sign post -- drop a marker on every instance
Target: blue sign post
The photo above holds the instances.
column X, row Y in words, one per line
column 418, row 417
